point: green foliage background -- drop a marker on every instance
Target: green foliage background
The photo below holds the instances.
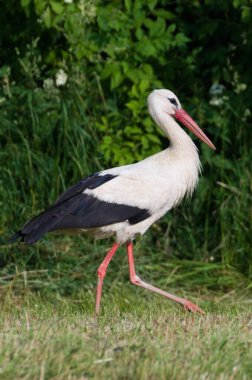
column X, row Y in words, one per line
column 114, row 53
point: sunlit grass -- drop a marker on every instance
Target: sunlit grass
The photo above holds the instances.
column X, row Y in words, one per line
column 136, row 336
column 48, row 328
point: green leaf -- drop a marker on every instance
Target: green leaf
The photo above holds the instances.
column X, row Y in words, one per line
column 57, row 7
column 237, row 3
column 40, row 6
column 246, row 12
column 134, row 106
column 47, row 16
column 133, row 130
column 171, row 28
column 145, row 141
column 144, row 85
column 133, row 75
column 148, row 69
column 146, row 48
column 108, row 70
column 26, row 6
column 158, row 28
column 25, row 3
column 181, row 39
column 128, row 4
column 153, row 138
column 139, row 33
column 116, row 79
column 152, row 4
column 167, row 15
column 135, row 90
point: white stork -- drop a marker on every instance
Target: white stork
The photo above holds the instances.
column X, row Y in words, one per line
column 125, row 201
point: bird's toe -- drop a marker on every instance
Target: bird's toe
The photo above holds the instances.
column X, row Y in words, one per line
column 189, row 306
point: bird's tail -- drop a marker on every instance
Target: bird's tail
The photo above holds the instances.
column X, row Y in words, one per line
column 35, row 228
column 15, row 237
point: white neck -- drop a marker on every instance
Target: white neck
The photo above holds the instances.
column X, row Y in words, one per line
column 179, row 139
column 181, row 146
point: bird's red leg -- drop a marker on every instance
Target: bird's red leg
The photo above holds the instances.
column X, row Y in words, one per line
column 101, row 274
column 137, row 281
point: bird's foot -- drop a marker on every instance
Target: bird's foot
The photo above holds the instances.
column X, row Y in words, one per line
column 189, row 306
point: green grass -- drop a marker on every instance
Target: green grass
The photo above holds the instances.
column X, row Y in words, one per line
column 137, row 336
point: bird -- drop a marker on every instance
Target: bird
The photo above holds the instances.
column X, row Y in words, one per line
column 123, row 202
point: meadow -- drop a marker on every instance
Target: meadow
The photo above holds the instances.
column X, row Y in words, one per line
column 49, row 330
column 137, row 336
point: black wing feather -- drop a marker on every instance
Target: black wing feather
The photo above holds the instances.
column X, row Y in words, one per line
column 90, row 182
column 74, row 209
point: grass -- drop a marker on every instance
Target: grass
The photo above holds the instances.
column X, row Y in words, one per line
column 67, row 263
column 137, row 336
column 48, row 329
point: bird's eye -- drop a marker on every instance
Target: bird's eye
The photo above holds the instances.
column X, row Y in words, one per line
column 173, row 101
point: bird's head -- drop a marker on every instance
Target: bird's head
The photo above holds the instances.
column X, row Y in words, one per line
column 167, row 102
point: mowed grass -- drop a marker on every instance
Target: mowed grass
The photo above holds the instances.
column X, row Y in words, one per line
column 137, row 336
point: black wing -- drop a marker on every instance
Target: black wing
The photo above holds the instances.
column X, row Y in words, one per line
column 74, row 209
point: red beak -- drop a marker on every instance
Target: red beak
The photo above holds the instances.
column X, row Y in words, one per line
column 188, row 122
